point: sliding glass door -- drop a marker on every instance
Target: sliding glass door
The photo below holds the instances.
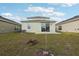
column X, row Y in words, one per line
column 45, row 27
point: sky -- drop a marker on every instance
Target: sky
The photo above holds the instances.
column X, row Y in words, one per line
column 56, row 11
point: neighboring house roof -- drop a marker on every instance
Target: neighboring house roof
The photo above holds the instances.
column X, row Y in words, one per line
column 75, row 18
column 8, row 21
column 38, row 17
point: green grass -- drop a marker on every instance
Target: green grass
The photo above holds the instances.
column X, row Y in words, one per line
column 14, row 44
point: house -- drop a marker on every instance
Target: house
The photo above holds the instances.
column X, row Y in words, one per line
column 38, row 25
column 7, row 25
column 69, row 25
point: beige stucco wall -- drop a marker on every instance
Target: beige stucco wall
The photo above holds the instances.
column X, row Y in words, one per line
column 70, row 27
column 36, row 27
column 52, row 27
column 6, row 27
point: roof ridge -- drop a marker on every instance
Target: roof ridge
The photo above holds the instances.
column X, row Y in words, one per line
column 9, row 20
column 68, row 19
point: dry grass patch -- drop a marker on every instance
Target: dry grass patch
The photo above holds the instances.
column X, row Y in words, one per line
column 14, row 44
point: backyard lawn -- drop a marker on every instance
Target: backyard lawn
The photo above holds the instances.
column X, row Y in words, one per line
column 14, row 44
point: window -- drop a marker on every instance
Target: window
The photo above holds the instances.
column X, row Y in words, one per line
column 59, row 27
column 45, row 27
column 29, row 27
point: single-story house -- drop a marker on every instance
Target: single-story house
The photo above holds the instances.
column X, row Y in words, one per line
column 38, row 24
column 69, row 25
column 7, row 25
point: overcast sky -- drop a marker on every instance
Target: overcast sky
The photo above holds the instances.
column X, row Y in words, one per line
column 57, row 12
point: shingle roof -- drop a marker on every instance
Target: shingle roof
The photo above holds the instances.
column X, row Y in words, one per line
column 75, row 18
column 39, row 21
column 8, row 20
column 38, row 17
